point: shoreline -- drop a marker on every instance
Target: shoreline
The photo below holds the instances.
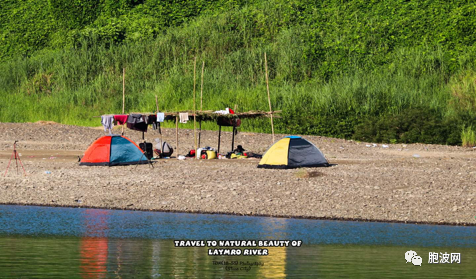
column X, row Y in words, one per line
column 254, row 215
column 395, row 183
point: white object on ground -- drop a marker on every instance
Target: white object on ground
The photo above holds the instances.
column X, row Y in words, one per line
column 384, row 146
column 181, row 157
column 416, row 156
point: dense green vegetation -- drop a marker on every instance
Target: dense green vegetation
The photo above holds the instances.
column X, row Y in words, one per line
column 375, row 70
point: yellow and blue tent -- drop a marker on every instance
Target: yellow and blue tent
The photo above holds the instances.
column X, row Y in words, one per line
column 293, row 152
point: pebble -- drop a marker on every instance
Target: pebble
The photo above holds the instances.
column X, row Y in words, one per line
column 238, row 186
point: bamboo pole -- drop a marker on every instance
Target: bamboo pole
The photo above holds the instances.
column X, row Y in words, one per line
column 156, row 104
column 201, row 88
column 123, row 94
column 199, row 131
column 194, row 110
column 233, row 139
column 269, row 99
column 176, row 134
column 157, row 111
column 219, row 138
column 201, row 105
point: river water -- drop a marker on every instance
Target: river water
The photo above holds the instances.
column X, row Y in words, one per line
column 45, row 242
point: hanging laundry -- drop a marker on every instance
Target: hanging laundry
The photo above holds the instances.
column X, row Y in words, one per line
column 155, row 126
column 136, row 122
column 151, row 119
column 226, row 111
column 120, row 118
column 160, row 117
column 222, row 112
column 135, row 118
column 107, row 122
column 183, row 117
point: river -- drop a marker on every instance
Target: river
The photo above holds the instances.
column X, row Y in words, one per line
column 54, row 242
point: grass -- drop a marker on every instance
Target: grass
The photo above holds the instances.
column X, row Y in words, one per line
column 74, row 84
column 468, row 136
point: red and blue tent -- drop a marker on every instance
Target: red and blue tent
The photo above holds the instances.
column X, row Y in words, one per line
column 113, row 150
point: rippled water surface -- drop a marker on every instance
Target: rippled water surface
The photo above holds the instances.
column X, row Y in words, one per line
column 44, row 242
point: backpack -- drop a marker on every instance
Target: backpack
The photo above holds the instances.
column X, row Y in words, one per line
column 163, row 148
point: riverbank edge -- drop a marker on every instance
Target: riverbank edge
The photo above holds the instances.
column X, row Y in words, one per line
column 414, row 222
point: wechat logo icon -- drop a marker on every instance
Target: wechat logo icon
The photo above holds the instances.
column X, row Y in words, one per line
column 411, row 256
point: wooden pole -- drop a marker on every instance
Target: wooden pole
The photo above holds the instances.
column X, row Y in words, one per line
column 219, row 137
column 123, row 94
column 176, row 134
column 194, row 110
column 233, row 139
column 201, row 88
column 199, row 132
column 157, row 111
column 156, row 104
column 201, row 105
column 269, row 99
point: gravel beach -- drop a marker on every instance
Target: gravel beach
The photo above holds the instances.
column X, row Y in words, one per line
column 412, row 183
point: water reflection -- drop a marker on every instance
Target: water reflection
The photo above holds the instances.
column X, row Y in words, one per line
column 134, row 258
column 274, row 265
column 88, row 243
column 94, row 252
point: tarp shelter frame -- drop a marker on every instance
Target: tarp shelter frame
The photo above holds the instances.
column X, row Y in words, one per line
column 210, row 115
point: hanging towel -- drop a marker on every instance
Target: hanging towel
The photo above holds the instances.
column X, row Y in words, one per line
column 160, row 117
column 107, row 122
column 120, row 119
column 183, row 117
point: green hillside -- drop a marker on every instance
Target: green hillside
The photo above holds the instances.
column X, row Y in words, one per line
column 374, row 70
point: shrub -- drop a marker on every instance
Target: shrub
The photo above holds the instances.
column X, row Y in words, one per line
column 412, row 125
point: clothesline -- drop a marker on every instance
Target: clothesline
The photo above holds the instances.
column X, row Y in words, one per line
column 139, row 121
column 210, row 115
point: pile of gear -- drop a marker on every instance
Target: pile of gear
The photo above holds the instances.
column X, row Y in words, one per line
column 203, row 153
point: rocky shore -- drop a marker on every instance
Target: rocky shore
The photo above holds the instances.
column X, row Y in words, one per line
column 400, row 183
